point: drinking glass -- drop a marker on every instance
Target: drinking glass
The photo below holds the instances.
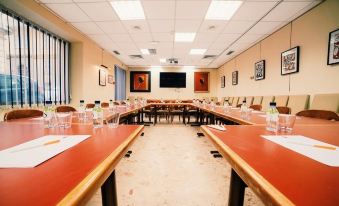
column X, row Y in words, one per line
column 64, row 119
column 113, row 122
column 286, row 122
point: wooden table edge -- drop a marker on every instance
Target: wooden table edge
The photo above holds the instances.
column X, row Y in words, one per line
column 93, row 181
column 263, row 189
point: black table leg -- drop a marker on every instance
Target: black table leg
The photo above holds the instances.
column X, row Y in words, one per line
column 237, row 190
column 155, row 115
column 109, row 191
column 184, row 115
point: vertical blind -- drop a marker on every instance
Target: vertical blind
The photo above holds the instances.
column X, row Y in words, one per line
column 33, row 64
column 120, row 83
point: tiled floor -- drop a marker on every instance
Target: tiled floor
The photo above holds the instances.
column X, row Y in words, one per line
column 170, row 165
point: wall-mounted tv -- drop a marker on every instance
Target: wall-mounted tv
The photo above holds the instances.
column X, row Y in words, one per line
column 172, row 79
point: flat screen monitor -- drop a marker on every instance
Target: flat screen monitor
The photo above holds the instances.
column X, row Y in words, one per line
column 172, row 79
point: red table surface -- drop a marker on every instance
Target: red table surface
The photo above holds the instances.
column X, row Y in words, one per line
column 302, row 180
column 51, row 181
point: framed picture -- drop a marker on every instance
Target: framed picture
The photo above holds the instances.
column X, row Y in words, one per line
column 235, row 78
column 223, row 82
column 140, row 81
column 259, row 70
column 333, row 48
column 201, row 82
column 290, row 61
column 110, row 79
column 102, row 77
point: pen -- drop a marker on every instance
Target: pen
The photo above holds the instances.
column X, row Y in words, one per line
column 315, row 145
column 32, row 147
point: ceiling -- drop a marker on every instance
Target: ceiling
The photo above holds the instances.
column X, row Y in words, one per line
column 253, row 21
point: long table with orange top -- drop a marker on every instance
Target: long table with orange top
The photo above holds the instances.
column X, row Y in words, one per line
column 277, row 175
column 71, row 177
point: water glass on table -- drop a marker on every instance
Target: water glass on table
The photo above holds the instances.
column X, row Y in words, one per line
column 286, row 122
column 113, row 121
column 64, row 119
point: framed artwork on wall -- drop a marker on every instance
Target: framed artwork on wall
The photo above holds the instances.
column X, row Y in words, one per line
column 259, row 70
column 235, row 78
column 102, row 77
column 110, row 79
column 290, row 61
column 140, row 81
column 333, row 48
column 201, row 82
column 223, row 82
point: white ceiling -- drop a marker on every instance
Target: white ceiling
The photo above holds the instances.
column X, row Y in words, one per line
column 253, row 21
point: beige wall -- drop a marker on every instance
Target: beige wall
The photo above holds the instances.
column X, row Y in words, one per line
column 85, row 55
column 174, row 93
column 310, row 32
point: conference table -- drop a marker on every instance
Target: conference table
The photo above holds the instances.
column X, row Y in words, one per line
column 71, row 177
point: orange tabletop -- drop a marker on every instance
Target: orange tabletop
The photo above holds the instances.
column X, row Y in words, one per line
column 278, row 175
column 70, row 177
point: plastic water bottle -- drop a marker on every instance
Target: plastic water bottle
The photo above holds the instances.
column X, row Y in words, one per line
column 49, row 115
column 98, row 115
column 272, row 118
column 81, row 110
column 111, row 105
column 243, row 109
column 226, row 106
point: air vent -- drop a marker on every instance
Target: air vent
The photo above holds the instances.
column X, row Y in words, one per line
column 136, row 56
column 116, row 52
column 229, row 53
column 172, row 61
column 209, row 56
column 152, row 51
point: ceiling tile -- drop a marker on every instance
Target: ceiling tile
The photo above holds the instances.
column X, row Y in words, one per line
column 69, row 12
column 237, row 27
column 103, row 40
column 161, row 25
column 111, row 27
column 56, row 1
column 191, row 9
column 249, row 38
column 265, row 27
column 143, row 37
column 187, row 25
column 130, row 49
column 285, row 10
column 88, row 27
column 88, row 0
column 159, row 9
column 216, row 26
column 125, row 38
column 99, row 11
column 136, row 26
column 252, row 11
column 205, row 37
column 163, row 37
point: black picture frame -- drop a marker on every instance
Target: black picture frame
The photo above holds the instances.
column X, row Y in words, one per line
column 235, row 78
column 144, row 86
column 290, row 61
column 102, row 77
column 333, row 48
column 259, row 70
column 222, row 82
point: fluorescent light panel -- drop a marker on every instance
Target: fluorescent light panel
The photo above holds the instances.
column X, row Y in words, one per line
column 128, row 10
column 197, row 51
column 162, row 60
column 144, row 51
column 222, row 10
column 184, row 37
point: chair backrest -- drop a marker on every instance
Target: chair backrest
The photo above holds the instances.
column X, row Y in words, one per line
column 116, row 103
column 256, row 107
column 298, row 103
column 22, row 113
column 241, row 99
column 90, row 106
column 284, row 110
column 230, row 100
column 266, row 102
column 257, row 100
column 104, row 105
column 249, row 100
column 328, row 102
column 281, row 100
column 65, row 108
column 320, row 114
column 235, row 101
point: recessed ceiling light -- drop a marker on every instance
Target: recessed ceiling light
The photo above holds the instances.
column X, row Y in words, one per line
column 162, row 60
column 222, row 10
column 197, row 51
column 184, row 37
column 128, row 10
column 144, row 51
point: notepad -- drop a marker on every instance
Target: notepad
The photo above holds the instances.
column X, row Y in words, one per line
column 31, row 154
column 218, row 127
column 319, row 151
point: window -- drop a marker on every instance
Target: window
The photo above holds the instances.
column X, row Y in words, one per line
column 33, row 63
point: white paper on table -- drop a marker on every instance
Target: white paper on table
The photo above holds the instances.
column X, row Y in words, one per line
column 218, row 127
column 258, row 112
column 305, row 146
column 34, row 152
